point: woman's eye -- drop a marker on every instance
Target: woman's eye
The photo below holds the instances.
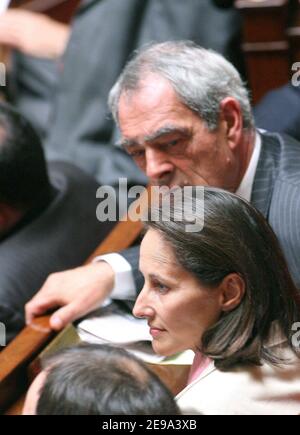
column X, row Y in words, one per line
column 161, row 288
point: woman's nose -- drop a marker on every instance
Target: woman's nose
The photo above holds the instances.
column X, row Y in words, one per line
column 142, row 308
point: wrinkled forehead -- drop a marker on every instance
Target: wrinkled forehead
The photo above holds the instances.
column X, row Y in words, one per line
column 151, row 112
column 152, row 94
column 149, row 85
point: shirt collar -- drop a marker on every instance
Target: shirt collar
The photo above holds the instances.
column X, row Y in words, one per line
column 246, row 186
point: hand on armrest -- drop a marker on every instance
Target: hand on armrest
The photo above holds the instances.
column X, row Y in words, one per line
column 78, row 292
column 33, row 34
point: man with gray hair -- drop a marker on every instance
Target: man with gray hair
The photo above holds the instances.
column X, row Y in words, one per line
column 185, row 118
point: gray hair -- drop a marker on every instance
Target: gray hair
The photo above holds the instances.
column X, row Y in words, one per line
column 201, row 78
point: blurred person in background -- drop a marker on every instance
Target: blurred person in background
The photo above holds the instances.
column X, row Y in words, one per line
column 67, row 99
column 47, row 217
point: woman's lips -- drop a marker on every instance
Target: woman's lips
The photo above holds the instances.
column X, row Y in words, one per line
column 155, row 332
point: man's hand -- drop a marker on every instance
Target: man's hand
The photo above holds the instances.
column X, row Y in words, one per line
column 33, row 34
column 77, row 291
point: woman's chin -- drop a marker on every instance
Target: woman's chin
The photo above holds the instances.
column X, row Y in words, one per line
column 166, row 351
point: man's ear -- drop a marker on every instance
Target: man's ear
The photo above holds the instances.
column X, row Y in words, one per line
column 232, row 291
column 232, row 118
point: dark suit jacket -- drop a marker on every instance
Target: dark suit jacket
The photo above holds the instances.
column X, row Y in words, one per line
column 104, row 33
column 276, row 194
column 31, row 87
column 60, row 237
column 279, row 111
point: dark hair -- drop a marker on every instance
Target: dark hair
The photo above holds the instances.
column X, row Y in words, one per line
column 235, row 239
column 91, row 379
column 24, row 180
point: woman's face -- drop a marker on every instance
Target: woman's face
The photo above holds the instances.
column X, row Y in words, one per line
column 178, row 308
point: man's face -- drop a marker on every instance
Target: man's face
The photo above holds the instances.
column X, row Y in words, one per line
column 170, row 142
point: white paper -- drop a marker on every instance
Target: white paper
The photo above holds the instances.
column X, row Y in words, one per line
column 110, row 326
column 142, row 350
column 116, row 328
column 4, row 5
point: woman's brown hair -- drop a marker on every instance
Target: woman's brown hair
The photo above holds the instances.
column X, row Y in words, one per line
column 235, row 238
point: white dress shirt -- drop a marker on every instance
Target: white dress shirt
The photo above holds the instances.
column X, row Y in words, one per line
column 246, row 186
column 124, row 287
column 4, row 6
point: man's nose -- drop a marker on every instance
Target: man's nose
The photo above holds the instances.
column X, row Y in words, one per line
column 157, row 165
column 142, row 308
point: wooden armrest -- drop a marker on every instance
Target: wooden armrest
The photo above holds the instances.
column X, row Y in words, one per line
column 15, row 358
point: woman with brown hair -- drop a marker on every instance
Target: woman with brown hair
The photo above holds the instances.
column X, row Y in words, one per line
column 226, row 293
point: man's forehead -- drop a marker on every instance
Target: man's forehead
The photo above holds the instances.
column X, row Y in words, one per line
column 148, row 103
column 150, row 86
column 153, row 112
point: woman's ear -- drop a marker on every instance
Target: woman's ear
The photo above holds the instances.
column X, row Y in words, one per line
column 232, row 293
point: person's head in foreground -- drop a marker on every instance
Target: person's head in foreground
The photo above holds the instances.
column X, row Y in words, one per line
column 220, row 291
column 93, row 379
